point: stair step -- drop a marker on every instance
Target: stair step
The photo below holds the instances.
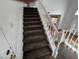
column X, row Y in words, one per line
column 35, row 27
column 30, row 10
column 46, row 57
column 30, row 16
column 32, row 26
column 37, row 53
column 30, row 34
column 32, row 23
column 35, row 45
column 31, row 19
column 33, row 33
column 28, row 13
column 34, row 38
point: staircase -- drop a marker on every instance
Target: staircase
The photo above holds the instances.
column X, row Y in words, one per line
column 35, row 41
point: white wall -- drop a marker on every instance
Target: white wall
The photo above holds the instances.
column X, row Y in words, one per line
column 11, row 16
column 65, row 8
column 56, row 7
column 69, row 16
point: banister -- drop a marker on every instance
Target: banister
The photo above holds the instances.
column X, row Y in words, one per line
column 49, row 26
column 48, row 16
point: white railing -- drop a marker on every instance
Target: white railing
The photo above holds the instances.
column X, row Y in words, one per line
column 55, row 38
column 50, row 28
column 71, row 39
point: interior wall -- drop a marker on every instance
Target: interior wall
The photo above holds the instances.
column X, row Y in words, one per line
column 11, row 19
column 56, row 7
column 65, row 8
column 69, row 16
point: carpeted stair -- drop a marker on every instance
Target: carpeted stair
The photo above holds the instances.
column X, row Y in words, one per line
column 35, row 41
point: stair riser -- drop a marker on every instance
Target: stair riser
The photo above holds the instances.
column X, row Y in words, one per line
column 38, row 53
column 26, row 20
column 33, row 34
column 47, row 57
column 41, row 55
column 33, row 28
column 33, row 40
column 31, row 49
column 30, row 24
column 37, row 45
column 28, row 16
column 30, row 10
column 30, row 13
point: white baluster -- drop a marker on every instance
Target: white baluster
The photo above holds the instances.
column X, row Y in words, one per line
column 72, row 36
column 75, row 42
column 68, row 36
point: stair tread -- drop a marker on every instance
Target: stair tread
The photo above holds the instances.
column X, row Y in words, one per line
column 38, row 53
column 31, row 18
column 32, row 22
column 27, row 16
column 30, row 8
column 34, row 39
column 35, row 45
column 46, row 57
column 27, row 20
column 31, row 12
column 33, row 31
column 32, row 26
column 31, row 15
